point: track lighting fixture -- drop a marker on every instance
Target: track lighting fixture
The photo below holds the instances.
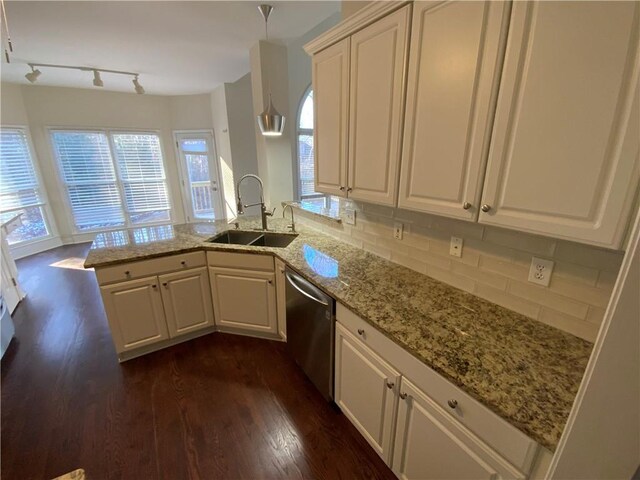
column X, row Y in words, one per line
column 137, row 85
column 33, row 75
column 97, row 81
column 271, row 122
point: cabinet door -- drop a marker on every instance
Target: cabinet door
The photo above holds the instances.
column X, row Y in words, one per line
column 281, row 289
column 429, row 445
column 330, row 71
column 135, row 314
column 244, row 300
column 454, row 70
column 365, row 390
column 564, row 154
column 187, row 300
column 376, row 95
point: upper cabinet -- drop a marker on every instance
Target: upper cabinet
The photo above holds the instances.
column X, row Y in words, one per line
column 330, row 72
column 523, row 115
column 358, row 93
column 376, row 96
column 564, row 154
column 454, row 70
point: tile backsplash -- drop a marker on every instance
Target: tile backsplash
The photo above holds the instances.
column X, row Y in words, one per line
column 494, row 263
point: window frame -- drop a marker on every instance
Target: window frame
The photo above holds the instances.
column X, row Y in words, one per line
column 45, row 205
column 109, row 132
column 310, row 132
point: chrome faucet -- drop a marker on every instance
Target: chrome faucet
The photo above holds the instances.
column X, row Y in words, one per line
column 263, row 208
column 291, row 227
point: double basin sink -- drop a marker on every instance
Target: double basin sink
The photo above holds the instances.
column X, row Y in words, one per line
column 254, row 239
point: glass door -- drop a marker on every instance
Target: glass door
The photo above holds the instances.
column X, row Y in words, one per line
column 200, row 183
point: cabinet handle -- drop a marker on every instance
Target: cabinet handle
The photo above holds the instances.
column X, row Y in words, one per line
column 282, row 270
column 360, row 331
column 349, row 189
column 127, row 273
column 183, row 263
column 466, row 205
column 270, row 282
column 165, row 285
column 342, row 189
column 485, row 208
column 452, row 403
column 390, row 384
column 403, row 395
column 154, row 286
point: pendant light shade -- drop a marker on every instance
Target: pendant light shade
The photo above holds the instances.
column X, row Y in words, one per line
column 271, row 122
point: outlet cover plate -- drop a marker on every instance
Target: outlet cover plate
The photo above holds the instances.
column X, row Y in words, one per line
column 540, row 271
column 397, row 230
column 455, row 247
column 349, row 216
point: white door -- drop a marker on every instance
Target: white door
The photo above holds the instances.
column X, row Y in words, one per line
column 376, row 95
column 281, row 289
column 365, row 390
column 454, row 72
column 187, row 300
column 564, row 155
column 135, row 313
column 430, row 445
column 201, row 187
column 330, row 72
column 244, row 300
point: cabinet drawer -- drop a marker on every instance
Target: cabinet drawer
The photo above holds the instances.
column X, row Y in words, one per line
column 249, row 261
column 131, row 270
column 510, row 442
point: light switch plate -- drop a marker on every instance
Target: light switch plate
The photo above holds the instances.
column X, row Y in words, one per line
column 540, row 271
column 455, row 247
column 397, row 230
column 349, row 216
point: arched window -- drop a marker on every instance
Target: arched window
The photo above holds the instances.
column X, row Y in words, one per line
column 305, row 148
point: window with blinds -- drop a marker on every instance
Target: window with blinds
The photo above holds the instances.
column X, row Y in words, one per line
column 20, row 192
column 112, row 179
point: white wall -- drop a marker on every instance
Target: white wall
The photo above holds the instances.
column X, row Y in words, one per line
column 299, row 72
column 12, row 109
column 191, row 112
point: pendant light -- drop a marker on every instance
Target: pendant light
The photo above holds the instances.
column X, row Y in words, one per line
column 270, row 121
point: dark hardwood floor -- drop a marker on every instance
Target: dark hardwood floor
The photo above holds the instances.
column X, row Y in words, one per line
column 217, row 407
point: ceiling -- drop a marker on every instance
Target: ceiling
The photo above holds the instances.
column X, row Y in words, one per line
column 178, row 47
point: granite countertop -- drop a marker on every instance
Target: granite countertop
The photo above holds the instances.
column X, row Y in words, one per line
column 525, row 371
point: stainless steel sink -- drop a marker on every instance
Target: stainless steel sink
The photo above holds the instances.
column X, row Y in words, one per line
column 258, row 239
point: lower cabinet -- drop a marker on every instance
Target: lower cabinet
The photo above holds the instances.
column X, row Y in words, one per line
column 429, row 445
column 281, row 300
column 135, row 313
column 365, row 388
column 244, row 300
column 187, row 300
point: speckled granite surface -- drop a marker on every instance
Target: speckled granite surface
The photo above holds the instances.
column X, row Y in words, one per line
column 525, row 371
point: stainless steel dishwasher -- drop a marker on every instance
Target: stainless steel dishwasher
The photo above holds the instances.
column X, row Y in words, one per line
column 310, row 330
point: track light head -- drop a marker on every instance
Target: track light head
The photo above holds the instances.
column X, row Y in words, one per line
column 97, row 81
column 138, row 87
column 33, row 75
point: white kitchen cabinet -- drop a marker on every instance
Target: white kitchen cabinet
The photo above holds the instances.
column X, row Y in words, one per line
column 453, row 76
column 186, row 297
column 135, row 314
column 564, row 153
column 429, row 445
column 365, row 390
column 244, row 300
column 376, row 96
column 330, row 72
column 281, row 289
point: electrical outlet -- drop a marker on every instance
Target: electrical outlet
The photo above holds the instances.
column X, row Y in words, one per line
column 455, row 247
column 540, row 271
column 349, row 216
column 397, row 230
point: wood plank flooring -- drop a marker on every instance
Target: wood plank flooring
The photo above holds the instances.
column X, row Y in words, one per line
column 218, row 407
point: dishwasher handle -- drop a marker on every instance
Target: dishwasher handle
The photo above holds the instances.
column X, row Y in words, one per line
column 291, row 280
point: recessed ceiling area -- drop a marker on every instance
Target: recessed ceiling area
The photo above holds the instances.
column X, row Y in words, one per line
column 178, row 47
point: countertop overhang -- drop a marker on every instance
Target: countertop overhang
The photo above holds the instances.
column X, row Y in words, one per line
column 523, row 370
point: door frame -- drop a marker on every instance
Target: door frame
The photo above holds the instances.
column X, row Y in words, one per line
column 214, row 166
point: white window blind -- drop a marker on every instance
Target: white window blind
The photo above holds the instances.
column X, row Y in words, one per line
column 112, row 184
column 19, row 187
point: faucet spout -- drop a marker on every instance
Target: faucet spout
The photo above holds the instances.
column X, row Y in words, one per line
column 263, row 208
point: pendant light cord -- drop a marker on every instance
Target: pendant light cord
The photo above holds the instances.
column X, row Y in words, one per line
column 6, row 26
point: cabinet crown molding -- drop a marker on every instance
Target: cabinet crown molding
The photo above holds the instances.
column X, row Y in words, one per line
column 363, row 17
